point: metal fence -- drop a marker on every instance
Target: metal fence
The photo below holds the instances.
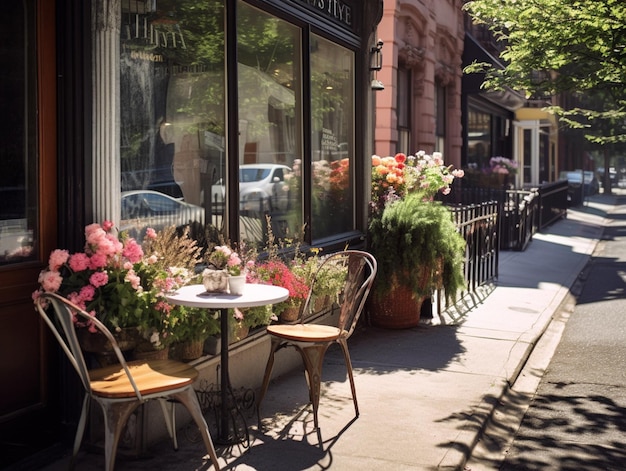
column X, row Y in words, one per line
column 491, row 220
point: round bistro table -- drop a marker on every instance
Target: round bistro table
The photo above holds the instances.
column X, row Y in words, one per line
column 253, row 295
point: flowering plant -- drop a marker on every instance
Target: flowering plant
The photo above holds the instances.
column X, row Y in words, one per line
column 412, row 236
column 278, row 273
column 502, row 165
column 395, row 177
column 224, row 258
column 115, row 280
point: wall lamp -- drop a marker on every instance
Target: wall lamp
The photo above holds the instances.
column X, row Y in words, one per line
column 376, row 63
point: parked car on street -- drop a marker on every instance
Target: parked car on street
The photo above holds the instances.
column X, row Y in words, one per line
column 262, row 187
column 142, row 209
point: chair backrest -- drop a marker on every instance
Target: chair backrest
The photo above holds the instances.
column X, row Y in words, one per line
column 361, row 271
column 60, row 315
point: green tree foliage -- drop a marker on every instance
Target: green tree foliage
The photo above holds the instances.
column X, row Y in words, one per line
column 553, row 46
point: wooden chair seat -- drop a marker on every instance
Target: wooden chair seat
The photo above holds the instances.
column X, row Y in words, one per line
column 305, row 332
column 120, row 389
column 312, row 340
column 151, row 377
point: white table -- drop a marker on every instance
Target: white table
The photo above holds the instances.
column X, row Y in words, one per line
column 254, row 295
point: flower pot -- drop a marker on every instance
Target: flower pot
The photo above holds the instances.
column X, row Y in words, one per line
column 96, row 342
column 215, row 281
column 238, row 331
column 320, row 303
column 190, row 349
column 397, row 309
column 160, row 354
column 237, row 284
column 289, row 315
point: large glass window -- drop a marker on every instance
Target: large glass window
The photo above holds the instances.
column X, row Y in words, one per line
column 270, row 125
column 172, row 114
column 478, row 139
column 404, row 110
column 440, row 117
column 175, row 155
column 18, row 134
column 332, row 136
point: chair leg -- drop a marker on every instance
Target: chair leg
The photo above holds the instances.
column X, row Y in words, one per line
column 313, row 358
column 346, row 355
column 189, row 399
column 80, row 431
column 170, row 419
column 115, row 417
column 268, row 374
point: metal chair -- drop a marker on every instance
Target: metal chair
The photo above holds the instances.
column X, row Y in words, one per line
column 312, row 340
column 121, row 388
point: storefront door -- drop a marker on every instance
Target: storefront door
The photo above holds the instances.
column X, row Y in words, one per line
column 27, row 224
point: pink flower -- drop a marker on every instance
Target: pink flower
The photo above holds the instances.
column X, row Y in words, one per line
column 79, row 262
column 87, row 293
column 99, row 279
column 57, row 259
column 50, row 281
column 133, row 279
column 234, row 260
column 107, row 225
column 151, row 233
column 97, row 261
column 133, row 251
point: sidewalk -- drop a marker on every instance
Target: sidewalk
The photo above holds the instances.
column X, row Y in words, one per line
column 424, row 393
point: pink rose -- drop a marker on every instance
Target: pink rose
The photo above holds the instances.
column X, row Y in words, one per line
column 79, row 262
column 151, row 233
column 50, row 281
column 97, row 260
column 133, row 251
column 87, row 293
column 57, row 259
column 107, row 225
column 99, row 279
column 133, row 279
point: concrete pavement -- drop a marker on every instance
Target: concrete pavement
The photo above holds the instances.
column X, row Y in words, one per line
column 424, row 393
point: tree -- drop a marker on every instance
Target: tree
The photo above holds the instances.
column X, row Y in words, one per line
column 554, row 46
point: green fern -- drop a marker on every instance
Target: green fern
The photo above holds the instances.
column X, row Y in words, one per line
column 413, row 235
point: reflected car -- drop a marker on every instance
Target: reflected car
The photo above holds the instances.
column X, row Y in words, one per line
column 142, row 209
column 262, row 187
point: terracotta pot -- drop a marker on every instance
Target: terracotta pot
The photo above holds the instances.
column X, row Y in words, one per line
column 397, row 309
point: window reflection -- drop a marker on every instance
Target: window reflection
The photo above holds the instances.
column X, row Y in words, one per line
column 332, row 108
column 172, row 113
column 18, row 189
column 270, row 129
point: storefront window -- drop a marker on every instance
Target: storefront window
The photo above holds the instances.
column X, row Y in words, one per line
column 478, row 139
column 332, row 136
column 172, row 114
column 18, row 131
column 270, row 125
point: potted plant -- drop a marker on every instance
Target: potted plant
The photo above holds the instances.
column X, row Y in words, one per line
column 227, row 269
column 329, row 279
column 277, row 272
column 413, row 237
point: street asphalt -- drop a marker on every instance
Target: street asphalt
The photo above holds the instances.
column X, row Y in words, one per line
column 567, row 411
column 426, row 393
